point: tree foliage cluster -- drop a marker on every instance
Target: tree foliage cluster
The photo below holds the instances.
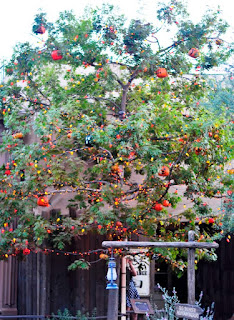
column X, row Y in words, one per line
column 99, row 125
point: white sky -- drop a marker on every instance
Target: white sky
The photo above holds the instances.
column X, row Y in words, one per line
column 17, row 16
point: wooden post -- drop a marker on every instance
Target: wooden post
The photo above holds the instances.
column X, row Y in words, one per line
column 112, row 311
column 191, row 270
column 123, row 288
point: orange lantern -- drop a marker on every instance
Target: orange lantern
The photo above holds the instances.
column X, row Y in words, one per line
column 164, row 172
column 161, row 73
column 56, row 55
column 194, row 53
column 43, row 201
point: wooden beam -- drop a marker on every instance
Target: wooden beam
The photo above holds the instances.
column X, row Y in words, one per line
column 136, row 244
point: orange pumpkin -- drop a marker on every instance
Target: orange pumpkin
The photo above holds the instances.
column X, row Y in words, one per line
column 115, row 168
column 103, row 256
column 56, row 55
column 43, row 201
column 161, row 73
column 18, row 135
column 166, row 203
column 119, row 224
column 164, row 172
column 158, row 207
column 41, row 29
column 194, row 53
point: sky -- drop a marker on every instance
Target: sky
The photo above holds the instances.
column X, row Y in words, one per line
column 17, row 16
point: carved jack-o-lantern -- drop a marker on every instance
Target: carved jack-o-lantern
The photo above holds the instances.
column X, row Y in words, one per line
column 161, row 73
column 164, row 172
column 43, row 201
column 194, row 53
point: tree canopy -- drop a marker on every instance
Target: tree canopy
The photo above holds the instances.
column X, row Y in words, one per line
column 110, row 114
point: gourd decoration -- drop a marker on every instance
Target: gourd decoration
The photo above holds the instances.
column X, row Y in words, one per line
column 56, row 55
column 161, row 73
column 164, row 171
column 194, row 53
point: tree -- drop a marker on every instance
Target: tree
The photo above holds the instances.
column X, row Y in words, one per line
column 118, row 120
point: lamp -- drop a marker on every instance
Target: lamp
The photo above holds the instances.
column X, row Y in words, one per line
column 111, row 274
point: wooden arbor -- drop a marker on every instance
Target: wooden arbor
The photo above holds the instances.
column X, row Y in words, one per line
column 191, row 245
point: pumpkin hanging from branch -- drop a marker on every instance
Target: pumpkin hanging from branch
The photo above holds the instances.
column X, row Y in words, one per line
column 194, row 53
column 39, row 29
column 56, row 55
column 164, row 171
column 161, row 73
column 18, row 135
column 43, row 201
column 158, row 207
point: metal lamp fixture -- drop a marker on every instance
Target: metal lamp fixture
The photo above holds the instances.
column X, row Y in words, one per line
column 111, row 274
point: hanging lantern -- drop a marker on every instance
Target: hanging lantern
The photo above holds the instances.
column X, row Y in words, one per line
column 56, row 55
column 111, row 274
column 164, row 172
column 161, row 73
column 43, row 201
column 194, row 53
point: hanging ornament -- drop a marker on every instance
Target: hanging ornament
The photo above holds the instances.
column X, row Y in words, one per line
column 164, row 171
column 43, row 201
column 161, row 73
column 194, row 53
column 56, row 55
